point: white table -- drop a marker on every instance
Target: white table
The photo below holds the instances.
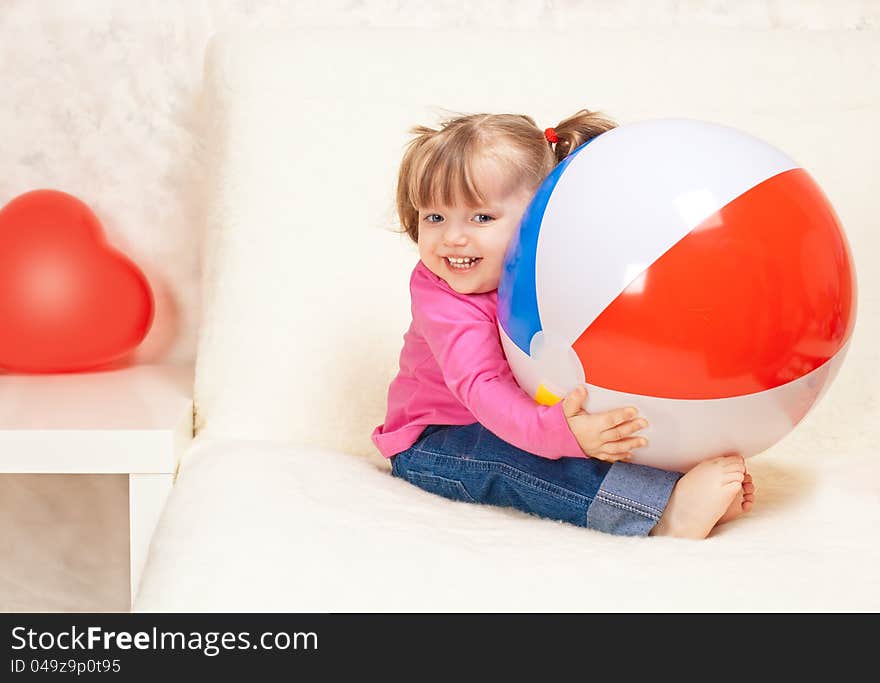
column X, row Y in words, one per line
column 136, row 420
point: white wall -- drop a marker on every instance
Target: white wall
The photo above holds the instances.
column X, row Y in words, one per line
column 99, row 100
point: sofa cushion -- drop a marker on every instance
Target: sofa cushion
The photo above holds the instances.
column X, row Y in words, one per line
column 265, row 526
column 305, row 284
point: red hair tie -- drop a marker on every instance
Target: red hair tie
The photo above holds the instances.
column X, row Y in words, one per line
column 550, row 134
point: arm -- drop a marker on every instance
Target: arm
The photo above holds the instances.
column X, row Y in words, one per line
column 463, row 337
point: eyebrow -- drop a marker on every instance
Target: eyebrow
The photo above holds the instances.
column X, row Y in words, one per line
column 485, row 207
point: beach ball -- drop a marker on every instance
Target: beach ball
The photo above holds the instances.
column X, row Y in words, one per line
column 686, row 268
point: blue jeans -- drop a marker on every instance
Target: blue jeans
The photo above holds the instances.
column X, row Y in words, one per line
column 471, row 464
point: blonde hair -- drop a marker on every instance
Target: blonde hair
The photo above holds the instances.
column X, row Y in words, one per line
column 437, row 167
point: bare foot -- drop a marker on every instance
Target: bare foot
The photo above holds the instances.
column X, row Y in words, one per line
column 742, row 501
column 701, row 497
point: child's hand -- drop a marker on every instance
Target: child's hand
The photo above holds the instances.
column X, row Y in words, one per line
column 606, row 436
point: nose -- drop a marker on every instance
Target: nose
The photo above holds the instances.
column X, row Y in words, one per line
column 454, row 235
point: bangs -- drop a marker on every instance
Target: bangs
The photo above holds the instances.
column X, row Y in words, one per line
column 446, row 174
column 444, row 179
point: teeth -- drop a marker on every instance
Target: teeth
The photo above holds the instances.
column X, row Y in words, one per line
column 461, row 263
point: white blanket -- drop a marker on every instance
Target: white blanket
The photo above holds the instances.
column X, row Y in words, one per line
column 261, row 526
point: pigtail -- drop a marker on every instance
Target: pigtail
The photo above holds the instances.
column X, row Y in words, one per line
column 577, row 129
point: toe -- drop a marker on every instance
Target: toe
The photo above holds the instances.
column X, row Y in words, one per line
column 734, row 464
column 733, row 477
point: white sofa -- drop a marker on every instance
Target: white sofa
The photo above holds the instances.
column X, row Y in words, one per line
column 282, row 504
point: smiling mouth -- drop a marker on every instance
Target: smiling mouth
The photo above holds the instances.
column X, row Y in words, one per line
column 463, row 264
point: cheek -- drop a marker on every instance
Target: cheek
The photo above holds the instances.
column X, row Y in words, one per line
column 497, row 247
column 427, row 247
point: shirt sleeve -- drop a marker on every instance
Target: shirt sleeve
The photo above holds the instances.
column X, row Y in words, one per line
column 464, row 340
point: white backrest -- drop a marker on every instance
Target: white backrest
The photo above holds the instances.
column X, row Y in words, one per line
column 305, row 286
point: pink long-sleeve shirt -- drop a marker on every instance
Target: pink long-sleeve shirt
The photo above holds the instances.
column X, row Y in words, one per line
column 453, row 372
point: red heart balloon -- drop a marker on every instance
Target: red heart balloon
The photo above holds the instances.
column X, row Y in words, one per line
column 68, row 301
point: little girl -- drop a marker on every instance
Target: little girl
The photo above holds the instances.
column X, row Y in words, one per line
column 458, row 424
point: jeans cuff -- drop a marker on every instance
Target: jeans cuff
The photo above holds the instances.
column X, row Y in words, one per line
column 631, row 499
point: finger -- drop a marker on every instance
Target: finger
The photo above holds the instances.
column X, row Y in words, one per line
column 615, row 417
column 624, row 430
column 573, row 403
column 611, row 457
column 624, row 445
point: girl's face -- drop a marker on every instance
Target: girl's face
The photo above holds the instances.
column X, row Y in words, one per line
column 464, row 245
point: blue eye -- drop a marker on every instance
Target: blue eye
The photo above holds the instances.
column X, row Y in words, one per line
column 484, row 215
column 430, row 216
